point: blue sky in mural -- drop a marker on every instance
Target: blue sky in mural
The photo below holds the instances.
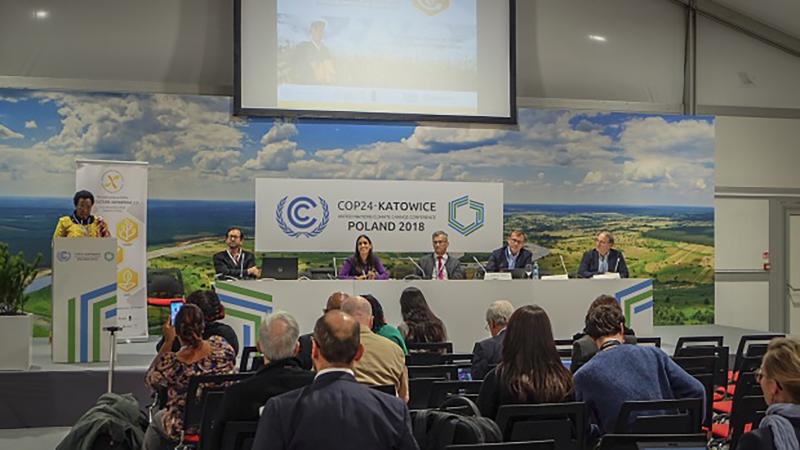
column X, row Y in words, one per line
column 198, row 150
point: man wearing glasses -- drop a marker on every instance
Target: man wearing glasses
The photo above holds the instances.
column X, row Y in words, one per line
column 511, row 256
column 235, row 262
column 439, row 265
column 603, row 258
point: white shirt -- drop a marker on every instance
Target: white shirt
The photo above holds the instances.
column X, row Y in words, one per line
column 435, row 271
column 334, row 369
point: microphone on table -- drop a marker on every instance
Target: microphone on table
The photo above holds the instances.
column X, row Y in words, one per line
column 422, row 272
column 616, row 266
column 479, row 264
column 335, row 269
column 564, row 266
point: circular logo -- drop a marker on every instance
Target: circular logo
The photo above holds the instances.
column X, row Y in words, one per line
column 63, row 256
column 109, row 256
column 112, row 181
column 306, row 217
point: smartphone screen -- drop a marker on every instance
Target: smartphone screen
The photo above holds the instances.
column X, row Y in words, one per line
column 464, row 374
column 174, row 307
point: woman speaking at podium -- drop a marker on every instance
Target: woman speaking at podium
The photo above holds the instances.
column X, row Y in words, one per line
column 81, row 223
column 363, row 265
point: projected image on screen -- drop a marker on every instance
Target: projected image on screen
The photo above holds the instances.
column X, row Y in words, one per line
column 383, row 56
column 438, row 57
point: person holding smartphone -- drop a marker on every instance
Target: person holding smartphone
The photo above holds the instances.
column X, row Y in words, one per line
column 213, row 312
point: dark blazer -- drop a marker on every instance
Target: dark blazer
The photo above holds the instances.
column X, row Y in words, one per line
column 762, row 438
column 225, row 268
column 583, row 348
column 453, row 267
column 498, row 262
column 304, row 354
column 212, row 329
column 335, row 413
column 243, row 399
column 591, row 261
column 486, row 353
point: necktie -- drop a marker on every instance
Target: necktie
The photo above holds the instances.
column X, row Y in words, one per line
column 440, row 274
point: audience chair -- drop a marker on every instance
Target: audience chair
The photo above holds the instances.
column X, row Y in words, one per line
column 667, row 416
column 252, row 359
column 196, row 392
column 424, row 359
column 447, row 371
column 457, row 358
column 760, row 342
column 419, row 391
column 703, row 369
column 656, row 341
column 527, row 445
column 385, row 388
column 746, row 409
column 211, row 403
column 629, row 441
column 564, row 347
column 239, row 435
column 439, row 347
column 440, row 390
column 689, row 346
column 564, row 423
column 748, row 385
column 687, row 343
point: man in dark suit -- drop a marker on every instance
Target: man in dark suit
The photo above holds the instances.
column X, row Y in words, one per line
column 489, row 352
column 235, row 262
column 277, row 341
column 335, row 301
column 335, row 412
column 439, row 265
column 511, row 256
column 603, row 258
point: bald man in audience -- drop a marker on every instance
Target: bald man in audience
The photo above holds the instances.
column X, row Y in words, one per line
column 304, row 355
column 383, row 361
column 335, row 412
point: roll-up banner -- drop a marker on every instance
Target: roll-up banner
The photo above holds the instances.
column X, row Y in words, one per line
column 327, row 215
column 120, row 197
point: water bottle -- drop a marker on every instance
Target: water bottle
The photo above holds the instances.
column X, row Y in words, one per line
column 535, row 274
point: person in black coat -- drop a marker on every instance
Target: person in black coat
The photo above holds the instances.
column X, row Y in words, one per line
column 513, row 251
column 213, row 311
column 281, row 373
column 235, row 262
column 603, row 258
column 335, row 301
column 335, row 412
column 779, row 377
column 488, row 352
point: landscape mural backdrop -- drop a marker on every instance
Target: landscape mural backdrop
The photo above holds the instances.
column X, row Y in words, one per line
column 566, row 175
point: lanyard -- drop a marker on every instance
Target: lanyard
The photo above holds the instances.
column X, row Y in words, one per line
column 239, row 263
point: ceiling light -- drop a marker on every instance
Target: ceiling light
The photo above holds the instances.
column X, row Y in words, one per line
column 41, row 14
column 597, row 37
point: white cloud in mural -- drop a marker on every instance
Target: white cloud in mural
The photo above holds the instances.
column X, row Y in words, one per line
column 8, row 133
column 593, row 177
column 426, row 137
column 275, row 156
column 280, row 131
column 215, row 162
column 30, row 124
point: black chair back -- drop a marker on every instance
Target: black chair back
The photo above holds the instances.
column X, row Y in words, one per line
column 564, row 347
column 385, row 388
column 720, row 352
column 629, row 441
column 749, row 340
column 212, row 401
column 196, row 392
column 239, row 435
column 687, row 342
column 747, row 414
column 424, row 359
column 697, row 364
column 564, row 423
column 252, row 359
column 440, row 390
column 446, row 371
column 660, row 416
column 419, row 391
column 457, row 358
column 438, row 347
column 164, row 283
column 655, row 340
column 527, row 445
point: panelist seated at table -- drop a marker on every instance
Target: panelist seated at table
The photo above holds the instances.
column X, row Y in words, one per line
column 81, row 223
column 439, row 265
column 363, row 265
column 603, row 258
column 235, row 262
column 511, row 256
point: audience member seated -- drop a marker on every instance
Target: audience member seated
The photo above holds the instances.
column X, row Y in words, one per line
column 531, row 371
column 420, row 324
column 277, row 341
column 622, row 372
column 304, row 355
column 172, row 371
column 213, row 312
column 779, row 377
column 381, row 328
column 488, row 352
column 383, row 362
column 583, row 346
column 335, row 411
column 363, row 265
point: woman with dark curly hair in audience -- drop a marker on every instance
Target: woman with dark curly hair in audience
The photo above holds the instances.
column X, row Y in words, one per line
column 380, row 327
column 420, row 324
column 213, row 312
column 172, row 371
column 779, row 377
column 531, row 371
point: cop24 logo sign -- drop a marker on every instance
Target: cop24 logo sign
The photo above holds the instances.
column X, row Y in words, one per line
column 300, row 222
column 63, row 256
column 459, row 218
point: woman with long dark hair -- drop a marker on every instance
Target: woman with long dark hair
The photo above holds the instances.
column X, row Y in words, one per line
column 363, row 265
column 173, row 370
column 531, row 370
column 379, row 325
column 420, row 324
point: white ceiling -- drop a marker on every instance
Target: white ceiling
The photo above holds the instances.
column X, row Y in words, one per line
column 783, row 15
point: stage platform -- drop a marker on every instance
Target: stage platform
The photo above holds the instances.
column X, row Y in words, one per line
column 56, row 395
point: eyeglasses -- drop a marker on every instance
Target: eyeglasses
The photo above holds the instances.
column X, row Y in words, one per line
column 439, row 242
column 515, row 240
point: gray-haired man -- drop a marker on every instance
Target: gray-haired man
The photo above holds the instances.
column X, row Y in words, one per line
column 277, row 341
column 439, row 265
column 489, row 352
